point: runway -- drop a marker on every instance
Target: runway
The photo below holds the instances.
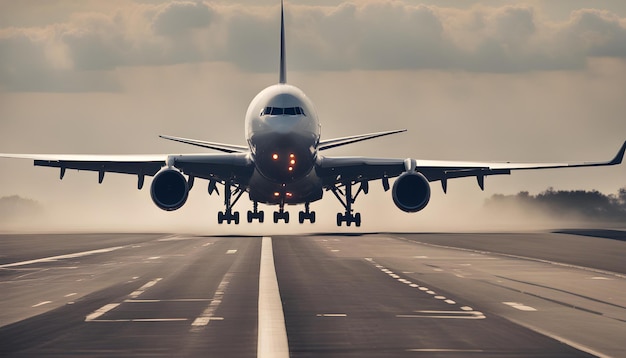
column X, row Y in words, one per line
column 378, row 295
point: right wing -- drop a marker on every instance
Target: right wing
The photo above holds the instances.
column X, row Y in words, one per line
column 344, row 170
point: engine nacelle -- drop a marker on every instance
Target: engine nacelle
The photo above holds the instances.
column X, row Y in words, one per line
column 411, row 192
column 169, row 189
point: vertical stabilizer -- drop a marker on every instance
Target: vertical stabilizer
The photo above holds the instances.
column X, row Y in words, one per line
column 283, row 70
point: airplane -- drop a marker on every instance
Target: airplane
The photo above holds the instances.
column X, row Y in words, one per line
column 283, row 164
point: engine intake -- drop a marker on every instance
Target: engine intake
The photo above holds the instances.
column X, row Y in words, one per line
column 411, row 192
column 169, row 189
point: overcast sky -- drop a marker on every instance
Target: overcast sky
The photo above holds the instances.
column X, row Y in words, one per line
column 470, row 80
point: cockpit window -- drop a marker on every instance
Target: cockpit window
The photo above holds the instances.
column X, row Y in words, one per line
column 277, row 111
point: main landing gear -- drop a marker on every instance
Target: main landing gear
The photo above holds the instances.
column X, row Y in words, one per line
column 307, row 214
column 256, row 214
column 281, row 214
column 230, row 199
column 347, row 199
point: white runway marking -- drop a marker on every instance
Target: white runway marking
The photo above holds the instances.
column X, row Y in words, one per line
column 41, row 304
column 230, row 252
column 62, row 257
column 99, row 312
column 70, row 294
column 272, row 334
column 445, row 350
column 169, row 300
column 445, row 315
column 139, row 320
column 520, row 306
column 332, row 315
column 143, row 288
column 208, row 314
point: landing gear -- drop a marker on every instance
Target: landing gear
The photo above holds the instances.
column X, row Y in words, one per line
column 306, row 215
column 230, row 199
column 281, row 214
column 256, row 214
column 346, row 199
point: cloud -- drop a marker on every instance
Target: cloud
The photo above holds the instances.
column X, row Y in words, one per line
column 82, row 53
column 178, row 18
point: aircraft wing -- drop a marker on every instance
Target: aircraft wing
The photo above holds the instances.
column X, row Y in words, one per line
column 217, row 167
column 341, row 170
column 337, row 142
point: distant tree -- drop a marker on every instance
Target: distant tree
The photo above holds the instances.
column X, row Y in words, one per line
column 13, row 207
column 591, row 205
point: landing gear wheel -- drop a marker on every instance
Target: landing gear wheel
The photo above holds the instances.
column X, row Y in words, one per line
column 281, row 215
column 357, row 219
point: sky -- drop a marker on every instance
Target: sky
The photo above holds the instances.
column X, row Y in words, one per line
column 471, row 80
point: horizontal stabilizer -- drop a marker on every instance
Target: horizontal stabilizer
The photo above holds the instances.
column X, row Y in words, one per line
column 337, row 142
column 227, row 148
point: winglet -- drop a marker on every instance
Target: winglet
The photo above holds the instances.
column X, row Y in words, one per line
column 283, row 70
column 619, row 156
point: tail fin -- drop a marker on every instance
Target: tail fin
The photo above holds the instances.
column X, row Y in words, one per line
column 283, row 70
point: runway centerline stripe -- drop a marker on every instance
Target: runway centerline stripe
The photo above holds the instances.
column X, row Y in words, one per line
column 62, row 257
column 272, row 333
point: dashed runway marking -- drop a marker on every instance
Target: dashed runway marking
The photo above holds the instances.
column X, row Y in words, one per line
column 208, row 314
column 143, row 288
column 520, row 306
column 465, row 312
column 101, row 311
column 41, row 303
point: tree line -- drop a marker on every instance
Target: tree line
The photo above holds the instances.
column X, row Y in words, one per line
column 592, row 205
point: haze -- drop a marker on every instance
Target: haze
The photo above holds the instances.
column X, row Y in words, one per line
column 470, row 80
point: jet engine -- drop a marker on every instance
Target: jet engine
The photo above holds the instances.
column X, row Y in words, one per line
column 169, row 189
column 411, row 192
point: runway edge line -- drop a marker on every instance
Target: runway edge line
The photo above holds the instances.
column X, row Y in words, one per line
column 272, row 333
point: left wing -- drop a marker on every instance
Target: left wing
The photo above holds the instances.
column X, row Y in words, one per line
column 217, row 167
column 343, row 170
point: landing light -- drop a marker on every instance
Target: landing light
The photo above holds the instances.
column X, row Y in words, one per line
column 293, row 161
column 289, row 195
column 290, row 169
column 276, row 194
column 275, row 156
column 292, row 155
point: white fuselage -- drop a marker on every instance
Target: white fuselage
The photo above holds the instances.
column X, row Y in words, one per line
column 283, row 132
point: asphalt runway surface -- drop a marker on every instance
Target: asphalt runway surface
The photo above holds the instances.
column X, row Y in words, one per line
column 378, row 295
